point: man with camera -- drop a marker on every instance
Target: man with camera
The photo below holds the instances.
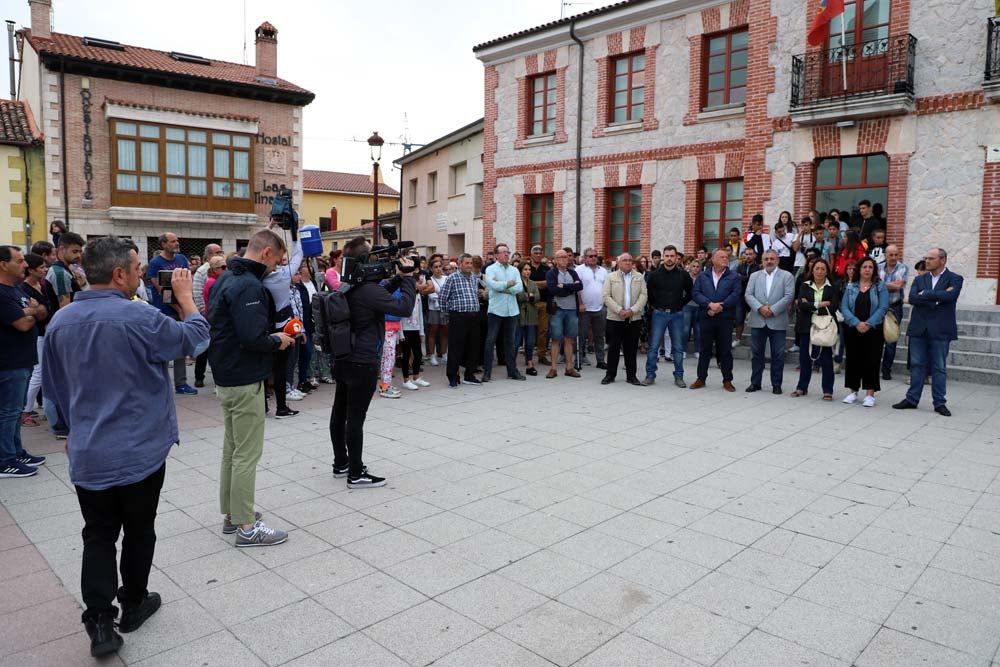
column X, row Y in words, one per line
column 357, row 373
column 121, row 429
column 160, row 271
column 241, row 354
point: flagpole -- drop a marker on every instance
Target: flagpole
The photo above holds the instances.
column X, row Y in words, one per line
column 843, row 46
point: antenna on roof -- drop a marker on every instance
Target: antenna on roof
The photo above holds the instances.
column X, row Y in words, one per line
column 244, row 32
column 565, row 3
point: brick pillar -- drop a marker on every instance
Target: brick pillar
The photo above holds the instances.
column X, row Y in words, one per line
column 895, row 208
column 805, row 179
column 691, row 217
column 492, row 79
column 646, row 219
column 763, row 29
column 601, row 221
column 988, row 264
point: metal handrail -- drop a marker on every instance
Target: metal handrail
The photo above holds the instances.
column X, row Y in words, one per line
column 877, row 67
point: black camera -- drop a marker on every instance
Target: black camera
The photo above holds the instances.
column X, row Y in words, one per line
column 380, row 263
column 283, row 212
column 166, row 290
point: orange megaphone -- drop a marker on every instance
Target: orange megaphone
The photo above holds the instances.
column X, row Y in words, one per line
column 294, row 327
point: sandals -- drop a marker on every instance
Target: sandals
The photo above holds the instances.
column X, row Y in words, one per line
column 571, row 372
column 799, row 392
column 29, row 420
column 552, row 373
column 827, row 397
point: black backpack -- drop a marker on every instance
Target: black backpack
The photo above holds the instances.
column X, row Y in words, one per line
column 332, row 322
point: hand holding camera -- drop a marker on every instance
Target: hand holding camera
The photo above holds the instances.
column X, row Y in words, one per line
column 404, row 266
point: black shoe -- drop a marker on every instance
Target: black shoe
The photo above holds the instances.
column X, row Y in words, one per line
column 634, row 381
column 486, row 378
column 134, row 616
column 904, row 405
column 199, row 384
column 752, row 388
column 886, row 374
column 775, row 390
column 516, row 376
column 341, row 471
column 285, row 413
column 602, row 366
column 103, row 638
column 305, row 387
column 531, row 371
column 365, row 481
column 473, row 381
column 544, row 361
column 607, row 380
column 943, row 410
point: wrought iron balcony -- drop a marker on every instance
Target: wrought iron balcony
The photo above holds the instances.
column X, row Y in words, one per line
column 993, row 49
column 854, row 81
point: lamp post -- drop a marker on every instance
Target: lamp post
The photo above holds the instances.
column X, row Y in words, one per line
column 375, row 150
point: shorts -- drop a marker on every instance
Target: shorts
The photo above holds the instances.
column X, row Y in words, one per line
column 563, row 324
column 437, row 317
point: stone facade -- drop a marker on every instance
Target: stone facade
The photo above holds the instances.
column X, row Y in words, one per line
column 941, row 189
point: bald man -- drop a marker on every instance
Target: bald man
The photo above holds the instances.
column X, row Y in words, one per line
column 717, row 292
column 894, row 274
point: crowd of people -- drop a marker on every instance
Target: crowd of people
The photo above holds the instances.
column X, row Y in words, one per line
column 71, row 311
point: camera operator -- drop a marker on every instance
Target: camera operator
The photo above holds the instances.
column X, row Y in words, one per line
column 357, row 374
column 278, row 284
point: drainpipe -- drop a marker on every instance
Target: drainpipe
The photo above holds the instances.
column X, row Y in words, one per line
column 579, row 133
column 62, row 122
column 25, row 153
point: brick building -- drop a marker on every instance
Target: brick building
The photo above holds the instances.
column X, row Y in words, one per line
column 693, row 115
column 139, row 141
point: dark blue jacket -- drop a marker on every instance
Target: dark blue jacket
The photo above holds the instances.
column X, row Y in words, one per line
column 932, row 313
column 728, row 293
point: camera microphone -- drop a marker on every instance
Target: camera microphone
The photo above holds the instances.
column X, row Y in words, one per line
column 403, row 245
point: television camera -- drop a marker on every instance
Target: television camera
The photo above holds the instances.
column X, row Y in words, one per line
column 380, row 263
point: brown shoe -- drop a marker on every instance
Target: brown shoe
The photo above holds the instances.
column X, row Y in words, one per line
column 728, row 386
column 551, row 374
column 697, row 384
column 571, row 372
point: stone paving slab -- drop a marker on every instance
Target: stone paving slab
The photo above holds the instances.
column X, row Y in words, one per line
column 556, row 522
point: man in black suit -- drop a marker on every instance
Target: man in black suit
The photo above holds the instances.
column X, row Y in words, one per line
column 933, row 326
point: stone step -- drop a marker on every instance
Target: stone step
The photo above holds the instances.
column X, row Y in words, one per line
column 979, row 314
column 956, row 372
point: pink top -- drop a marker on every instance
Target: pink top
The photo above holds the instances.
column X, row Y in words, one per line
column 208, row 286
column 332, row 278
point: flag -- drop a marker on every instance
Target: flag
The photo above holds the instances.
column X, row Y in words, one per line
column 819, row 32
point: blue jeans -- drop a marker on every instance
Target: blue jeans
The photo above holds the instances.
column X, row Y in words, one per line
column 493, row 324
column 806, row 362
column 13, row 387
column 776, row 339
column 528, row 332
column 928, row 354
column 663, row 321
column 691, row 324
column 889, row 354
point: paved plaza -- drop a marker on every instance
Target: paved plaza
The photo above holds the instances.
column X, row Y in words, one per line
column 556, row 522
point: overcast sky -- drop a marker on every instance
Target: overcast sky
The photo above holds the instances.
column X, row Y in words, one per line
column 368, row 61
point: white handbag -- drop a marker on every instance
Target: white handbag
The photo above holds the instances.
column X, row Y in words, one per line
column 823, row 331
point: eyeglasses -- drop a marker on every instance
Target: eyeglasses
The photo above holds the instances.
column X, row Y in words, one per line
column 591, row 256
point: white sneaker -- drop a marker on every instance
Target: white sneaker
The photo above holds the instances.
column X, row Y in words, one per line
column 697, row 355
column 295, row 395
column 869, row 402
column 411, row 385
column 422, row 383
column 736, row 343
column 851, row 398
column 444, row 357
column 434, row 360
column 793, row 348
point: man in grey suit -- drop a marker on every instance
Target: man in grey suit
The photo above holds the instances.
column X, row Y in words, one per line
column 769, row 292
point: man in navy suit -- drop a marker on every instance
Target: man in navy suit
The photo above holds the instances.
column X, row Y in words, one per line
column 932, row 328
column 717, row 292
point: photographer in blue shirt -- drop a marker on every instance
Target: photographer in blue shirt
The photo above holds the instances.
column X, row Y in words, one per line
column 120, row 410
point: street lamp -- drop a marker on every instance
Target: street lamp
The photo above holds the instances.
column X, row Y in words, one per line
column 375, row 150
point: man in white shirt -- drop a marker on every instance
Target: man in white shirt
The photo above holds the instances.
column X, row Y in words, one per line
column 768, row 294
column 593, row 314
column 786, row 245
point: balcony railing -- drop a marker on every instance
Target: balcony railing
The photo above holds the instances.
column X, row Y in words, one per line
column 871, row 69
column 993, row 49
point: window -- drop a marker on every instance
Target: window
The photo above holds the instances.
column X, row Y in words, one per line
column 624, row 229
column 726, row 69
column 456, row 179
column 432, row 185
column 841, row 182
column 163, row 166
column 721, row 210
column 413, row 192
column 628, row 88
column 325, row 225
column 541, row 225
column 874, row 25
column 477, row 200
column 542, row 109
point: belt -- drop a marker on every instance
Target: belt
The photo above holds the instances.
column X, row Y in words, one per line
column 668, row 311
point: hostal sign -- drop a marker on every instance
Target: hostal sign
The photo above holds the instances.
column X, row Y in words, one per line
column 275, row 162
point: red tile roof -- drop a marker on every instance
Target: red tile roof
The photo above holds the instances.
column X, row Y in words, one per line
column 137, row 57
column 339, row 181
column 553, row 24
column 207, row 114
column 17, row 125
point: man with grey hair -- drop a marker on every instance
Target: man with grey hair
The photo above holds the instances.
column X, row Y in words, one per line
column 768, row 294
column 460, row 298
column 117, row 452
column 932, row 327
column 200, row 277
column 624, row 295
column 168, row 259
column 592, row 314
column 893, row 273
column 717, row 292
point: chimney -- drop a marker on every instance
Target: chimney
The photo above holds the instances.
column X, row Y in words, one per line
column 41, row 18
column 267, row 51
